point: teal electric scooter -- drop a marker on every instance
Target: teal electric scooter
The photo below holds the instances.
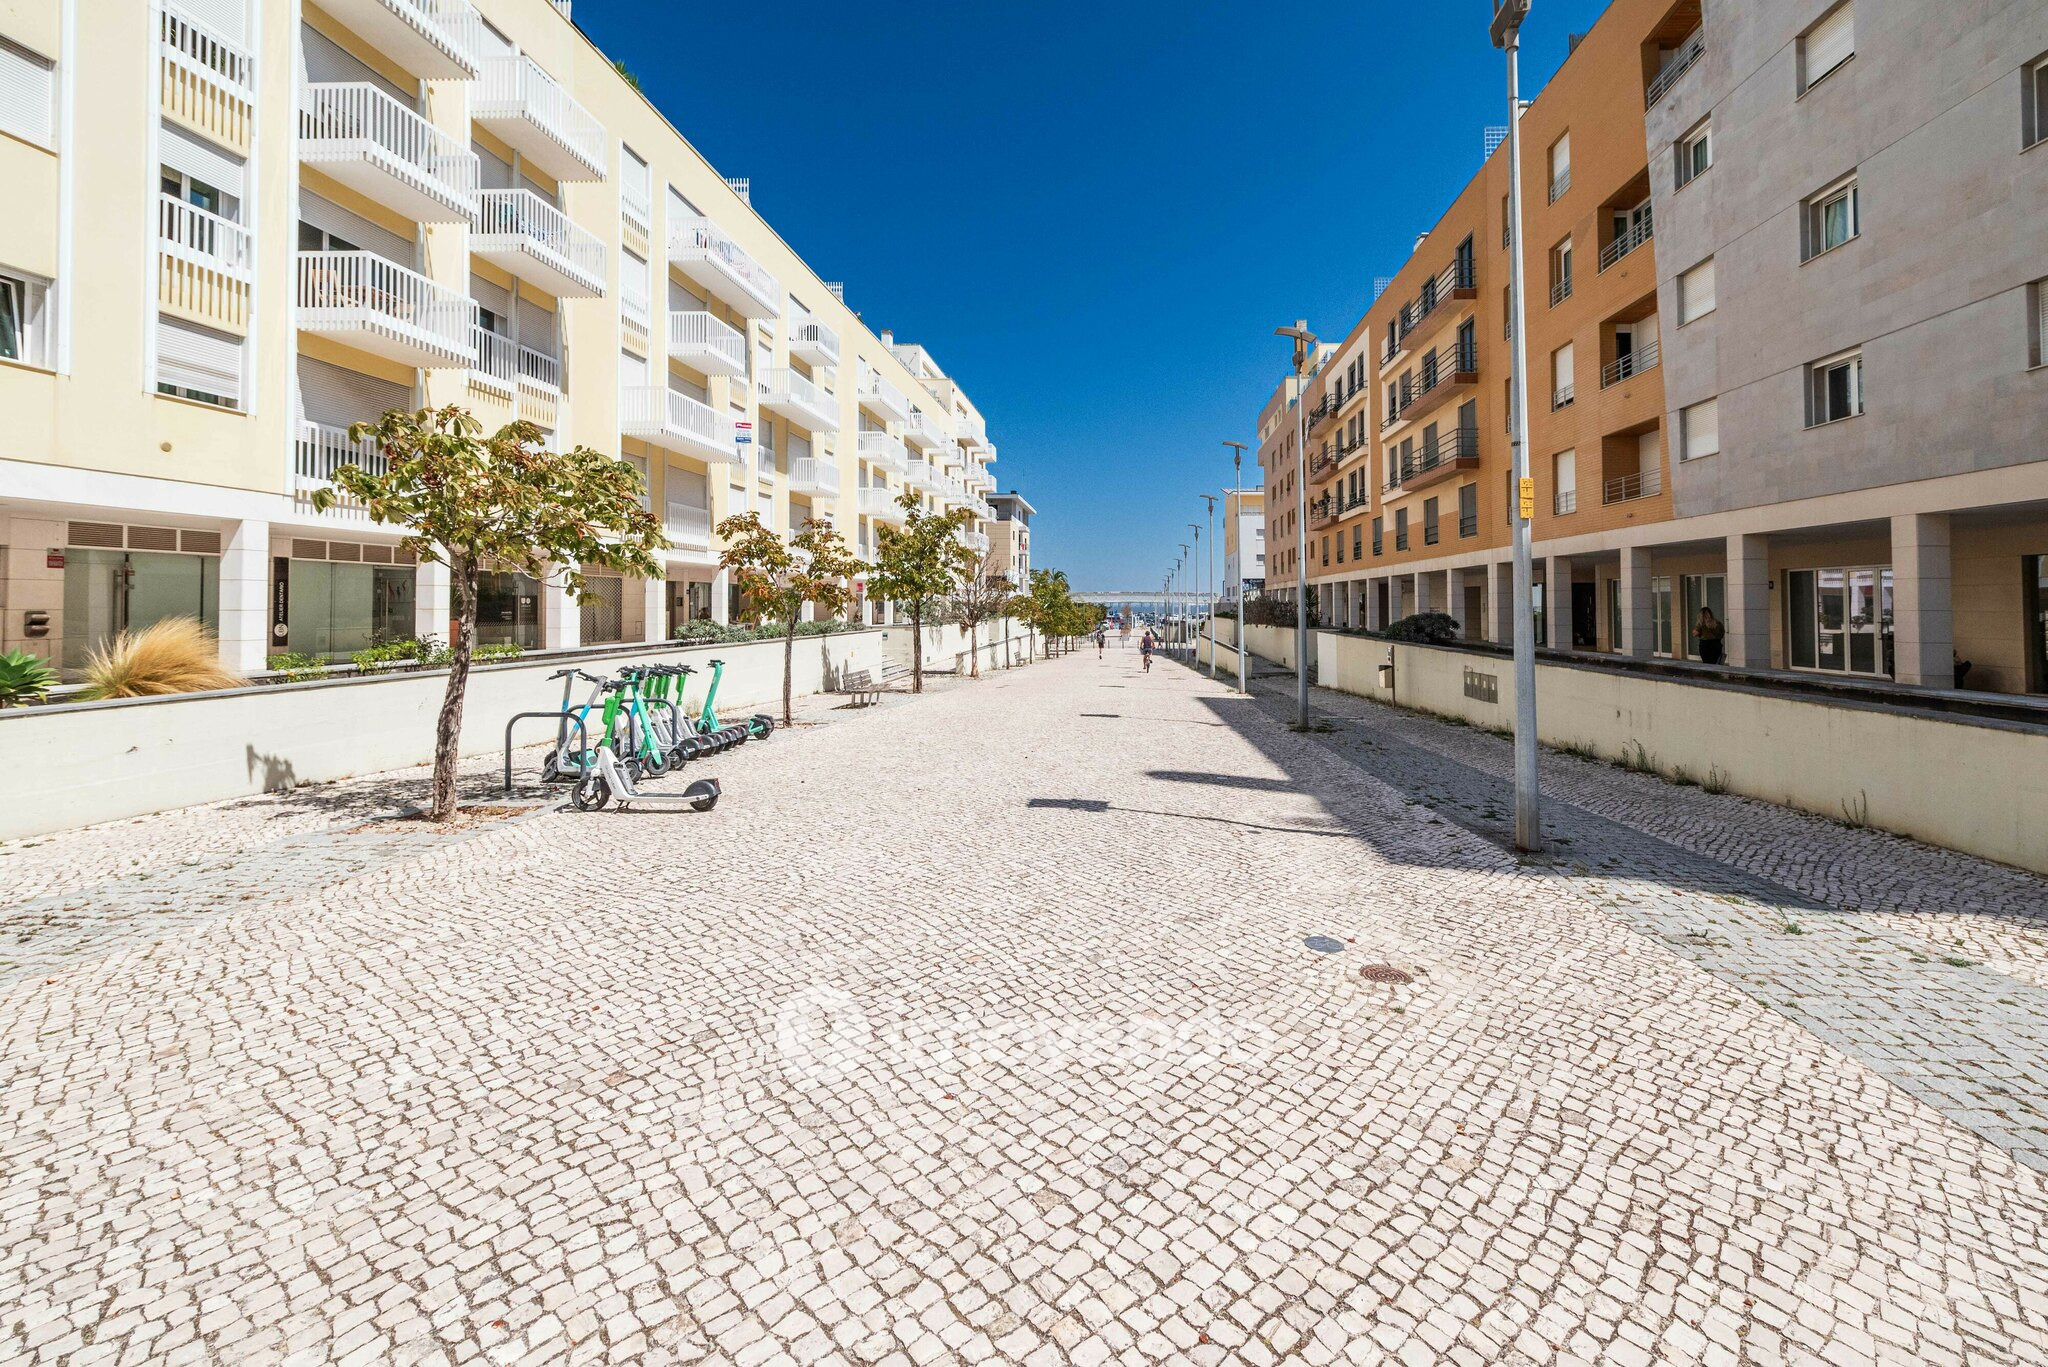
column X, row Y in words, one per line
column 760, row 724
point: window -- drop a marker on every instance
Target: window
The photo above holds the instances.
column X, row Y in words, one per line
column 1429, row 522
column 1699, row 430
column 198, row 363
column 1826, row 46
column 1560, row 167
column 1840, row 619
column 1378, row 535
column 1400, row 529
column 1468, row 510
column 1696, row 292
column 1695, row 153
column 2034, row 104
column 1562, row 387
column 1560, row 272
column 1834, row 389
column 24, row 318
column 1564, row 477
column 1830, row 219
column 2037, row 323
column 1357, row 542
column 28, row 95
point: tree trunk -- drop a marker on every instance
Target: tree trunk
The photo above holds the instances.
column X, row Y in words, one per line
column 973, row 649
column 448, row 727
column 916, row 650
column 788, row 664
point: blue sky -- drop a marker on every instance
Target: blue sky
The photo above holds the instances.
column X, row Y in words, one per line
column 1094, row 215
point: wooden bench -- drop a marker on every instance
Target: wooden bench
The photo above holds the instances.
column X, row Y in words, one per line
column 866, row 686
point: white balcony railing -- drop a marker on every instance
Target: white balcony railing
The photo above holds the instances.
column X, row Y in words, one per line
column 881, row 398
column 703, row 343
column 496, row 363
column 677, row 422
column 701, row 250
column 688, row 526
column 880, row 504
column 381, row 307
column 436, row 39
column 975, row 541
column 814, row 342
column 921, row 430
column 528, row 109
column 537, row 242
column 814, row 475
column 636, row 206
column 193, row 234
column 922, row 474
column 883, row 451
column 359, row 135
column 971, row 429
column 319, row 450
column 540, row 371
column 798, row 397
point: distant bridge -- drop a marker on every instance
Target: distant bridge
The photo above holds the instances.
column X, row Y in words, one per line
column 1180, row 601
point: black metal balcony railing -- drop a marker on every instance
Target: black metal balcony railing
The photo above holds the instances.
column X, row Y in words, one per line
column 1461, row 443
column 1400, row 538
column 1429, row 533
column 1378, row 544
column 1439, row 289
column 1468, row 523
column 1637, row 234
column 1635, row 363
column 1437, row 368
column 1688, row 54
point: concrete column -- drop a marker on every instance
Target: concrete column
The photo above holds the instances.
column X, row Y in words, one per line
column 1637, row 619
column 1423, row 602
column 654, row 597
column 245, row 597
column 1557, row 601
column 1749, row 602
column 1923, row 613
column 1500, row 602
column 1454, row 598
column 432, row 603
column 561, row 617
column 721, row 606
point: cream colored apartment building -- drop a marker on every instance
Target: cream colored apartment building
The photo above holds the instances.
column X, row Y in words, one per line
column 236, row 226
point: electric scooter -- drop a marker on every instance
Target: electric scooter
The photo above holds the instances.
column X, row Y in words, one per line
column 760, row 724
column 607, row 778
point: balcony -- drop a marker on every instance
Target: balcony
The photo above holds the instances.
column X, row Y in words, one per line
column 1453, row 454
column 1628, row 367
column 209, row 84
column 975, row 541
column 1325, row 409
column 1560, row 290
column 1441, row 374
column 922, row 474
column 687, row 526
column 1638, row 233
column 884, row 452
column 792, row 395
column 433, row 39
column 1682, row 60
column 880, row 504
column 204, row 264
column 922, row 431
column 523, row 234
column 360, row 136
column 815, row 476
column 527, row 108
column 378, row 306
column 1453, row 283
column 1636, row 484
column 676, row 422
column 494, row 366
column 814, row 342
column 319, row 450
column 699, row 249
column 1321, row 512
column 972, row 430
column 881, row 398
column 706, row 345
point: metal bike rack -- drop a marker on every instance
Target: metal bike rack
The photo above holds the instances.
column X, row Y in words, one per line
column 582, row 737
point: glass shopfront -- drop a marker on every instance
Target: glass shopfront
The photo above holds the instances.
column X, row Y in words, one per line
column 334, row 610
column 109, row 592
column 508, row 610
column 1840, row 620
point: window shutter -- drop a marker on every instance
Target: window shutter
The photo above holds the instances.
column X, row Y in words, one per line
column 1696, row 292
column 331, row 218
column 492, row 296
column 1702, row 424
column 537, row 328
column 633, row 286
column 1830, row 43
column 632, row 370
column 1561, row 158
column 197, row 358
column 1564, row 366
column 202, row 161
column 337, row 396
column 493, row 171
column 327, row 61
column 28, row 98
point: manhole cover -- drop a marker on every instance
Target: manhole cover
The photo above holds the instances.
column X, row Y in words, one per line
column 1385, row 973
column 1323, row 944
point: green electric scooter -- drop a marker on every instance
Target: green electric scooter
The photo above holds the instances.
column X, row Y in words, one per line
column 758, row 725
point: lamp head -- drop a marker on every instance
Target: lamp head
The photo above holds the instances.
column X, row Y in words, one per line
column 1507, row 20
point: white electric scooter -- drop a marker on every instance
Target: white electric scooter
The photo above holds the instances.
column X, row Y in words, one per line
column 608, row 779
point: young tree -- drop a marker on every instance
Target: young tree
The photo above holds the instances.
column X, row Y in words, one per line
column 917, row 565
column 1048, row 607
column 983, row 595
column 474, row 501
column 813, row 566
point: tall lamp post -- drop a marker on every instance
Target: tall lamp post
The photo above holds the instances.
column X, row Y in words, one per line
column 1181, row 573
column 1237, row 450
column 1507, row 24
column 1209, row 581
column 1304, row 356
column 1194, row 563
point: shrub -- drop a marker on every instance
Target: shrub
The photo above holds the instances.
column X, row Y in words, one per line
column 1267, row 610
column 423, row 651
column 176, row 655
column 497, row 650
column 296, row 666
column 23, row 678
column 1425, row 628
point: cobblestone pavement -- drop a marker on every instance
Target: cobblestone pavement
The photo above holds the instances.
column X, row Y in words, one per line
column 986, row 1026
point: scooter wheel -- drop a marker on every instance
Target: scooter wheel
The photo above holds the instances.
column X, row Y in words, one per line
column 705, row 804
column 550, row 770
column 656, row 764
column 590, row 793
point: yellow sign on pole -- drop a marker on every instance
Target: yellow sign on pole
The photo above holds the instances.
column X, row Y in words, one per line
column 1528, row 499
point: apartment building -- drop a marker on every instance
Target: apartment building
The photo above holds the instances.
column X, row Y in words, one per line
column 1012, row 533
column 1786, row 301
column 315, row 210
column 1244, row 541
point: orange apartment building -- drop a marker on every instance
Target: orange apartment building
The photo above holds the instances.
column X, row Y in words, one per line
column 1787, row 306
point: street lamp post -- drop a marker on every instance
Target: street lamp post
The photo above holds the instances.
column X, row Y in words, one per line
column 1238, row 448
column 1181, row 581
column 1304, row 356
column 1507, row 23
column 1194, row 562
column 1209, row 581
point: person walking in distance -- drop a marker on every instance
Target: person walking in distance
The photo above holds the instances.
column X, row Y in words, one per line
column 1710, row 634
column 1101, row 636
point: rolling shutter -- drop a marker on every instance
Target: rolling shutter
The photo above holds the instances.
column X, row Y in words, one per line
column 494, row 297
column 199, row 359
column 337, row 396
column 496, row 172
column 227, row 18
column 327, row 61
column 202, row 161
column 537, row 328
column 28, row 95
column 1830, row 43
column 332, row 219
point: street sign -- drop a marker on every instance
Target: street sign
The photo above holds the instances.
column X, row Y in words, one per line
column 743, row 433
column 1528, row 499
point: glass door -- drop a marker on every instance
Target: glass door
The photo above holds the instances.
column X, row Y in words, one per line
column 1709, row 591
column 2034, row 572
column 1660, row 614
column 1840, row 620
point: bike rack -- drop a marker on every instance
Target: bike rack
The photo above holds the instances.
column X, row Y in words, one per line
column 582, row 737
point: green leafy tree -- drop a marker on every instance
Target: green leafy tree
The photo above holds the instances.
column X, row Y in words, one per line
column 984, row 595
column 779, row 577
column 918, row 566
column 473, row 501
column 1048, row 607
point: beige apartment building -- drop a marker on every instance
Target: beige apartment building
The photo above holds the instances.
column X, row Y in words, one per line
column 1010, row 555
column 238, row 226
column 1244, row 541
column 1787, row 267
